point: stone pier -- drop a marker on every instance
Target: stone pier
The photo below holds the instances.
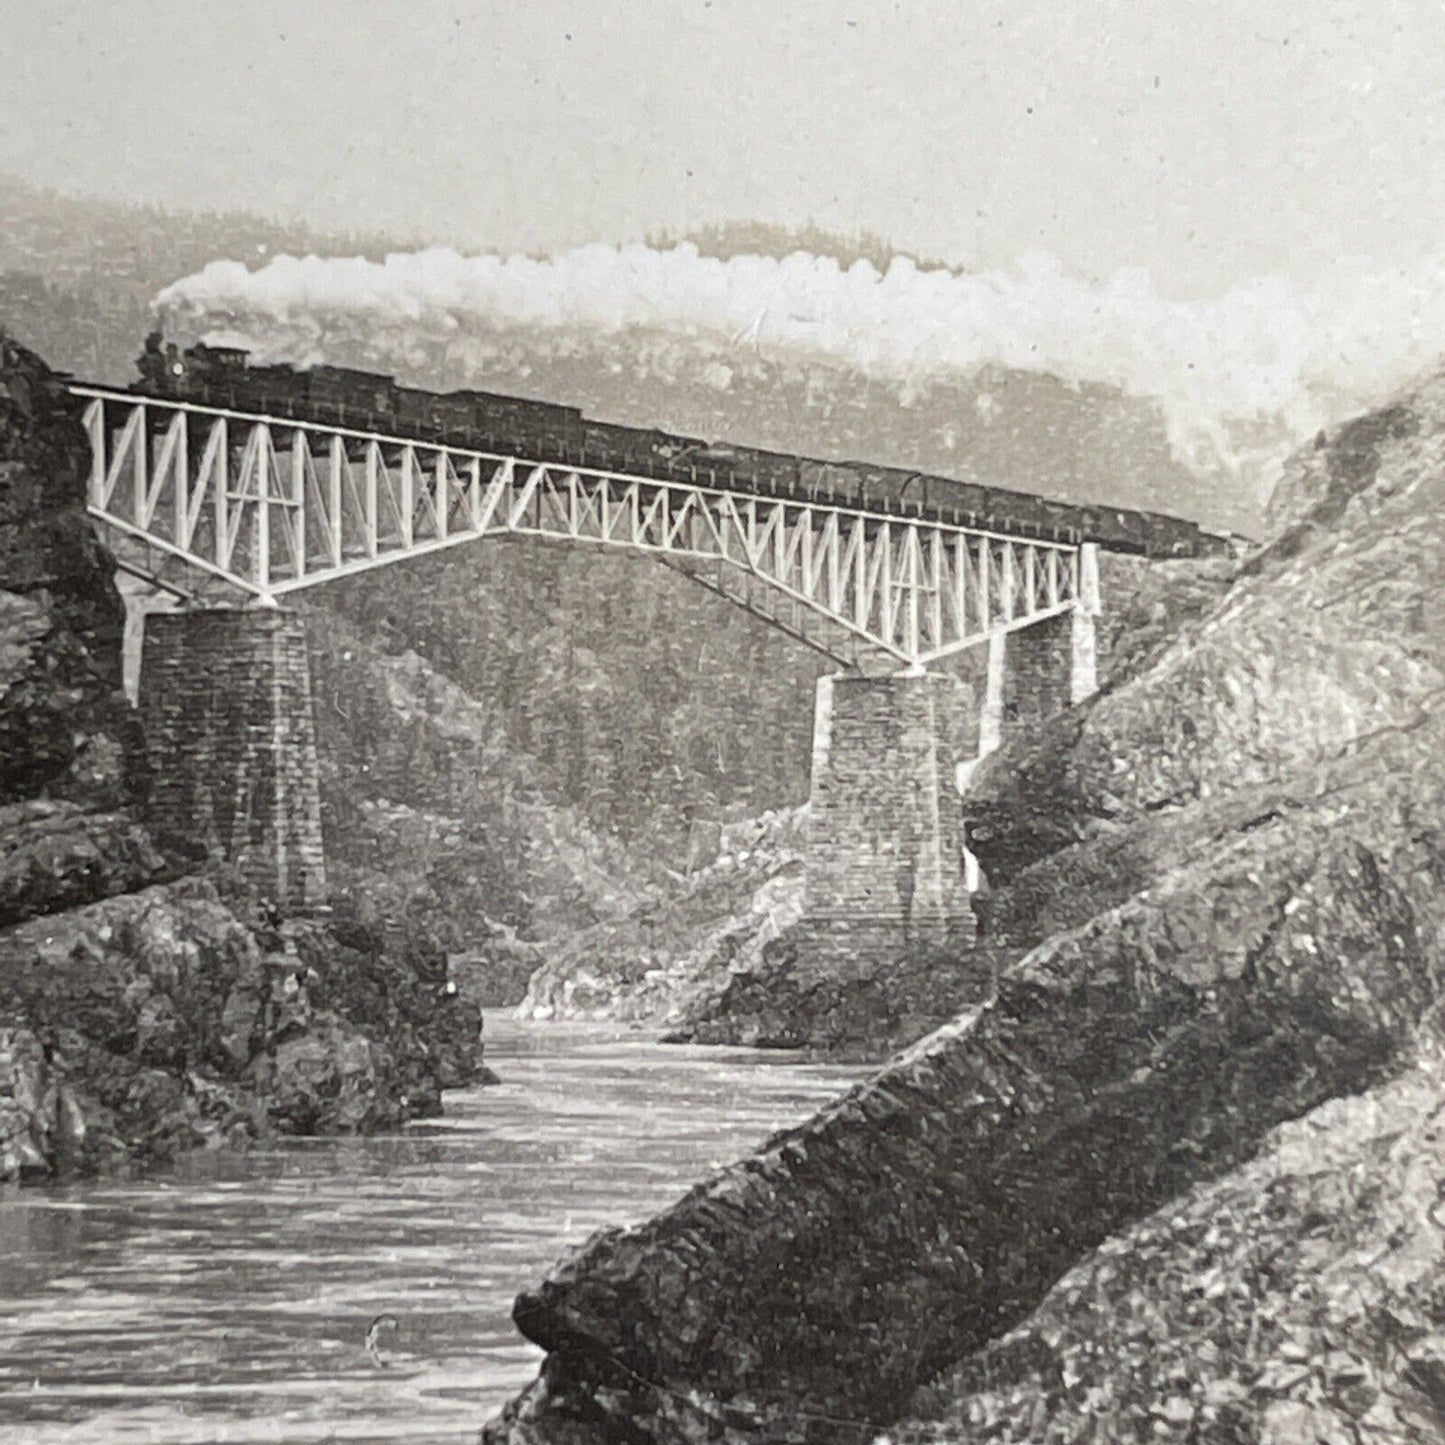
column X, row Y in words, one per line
column 884, row 852
column 1034, row 672
column 225, row 699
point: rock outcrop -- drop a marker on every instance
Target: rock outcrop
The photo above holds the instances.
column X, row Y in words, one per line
column 139, row 1012
column 685, row 941
column 1298, row 1299
column 65, row 729
column 1223, row 877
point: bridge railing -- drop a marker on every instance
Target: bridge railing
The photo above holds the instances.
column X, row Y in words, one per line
column 268, row 506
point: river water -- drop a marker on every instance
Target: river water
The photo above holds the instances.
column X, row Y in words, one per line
column 227, row 1299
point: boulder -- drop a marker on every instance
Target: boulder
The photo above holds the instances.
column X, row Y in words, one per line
column 54, row 855
column 325, row 1081
column 394, row 986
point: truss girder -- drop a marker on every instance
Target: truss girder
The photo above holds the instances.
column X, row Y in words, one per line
column 271, row 507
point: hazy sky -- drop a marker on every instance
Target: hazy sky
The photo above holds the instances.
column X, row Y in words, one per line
column 1206, row 142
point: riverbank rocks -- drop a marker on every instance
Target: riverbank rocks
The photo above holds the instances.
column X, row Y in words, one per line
column 40, row 1119
column 932, row 1208
column 176, row 1024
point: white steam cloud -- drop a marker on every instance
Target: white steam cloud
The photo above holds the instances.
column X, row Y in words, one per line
column 1261, row 358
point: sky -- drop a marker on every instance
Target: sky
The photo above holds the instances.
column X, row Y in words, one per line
column 1207, row 143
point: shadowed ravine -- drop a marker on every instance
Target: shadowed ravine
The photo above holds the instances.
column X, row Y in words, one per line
column 227, row 1299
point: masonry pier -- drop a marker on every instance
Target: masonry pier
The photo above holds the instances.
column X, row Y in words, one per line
column 883, row 859
column 225, row 699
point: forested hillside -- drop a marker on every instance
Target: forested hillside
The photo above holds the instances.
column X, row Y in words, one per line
column 77, row 277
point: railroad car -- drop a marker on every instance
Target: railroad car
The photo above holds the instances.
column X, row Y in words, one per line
column 349, row 397
column 223, row 376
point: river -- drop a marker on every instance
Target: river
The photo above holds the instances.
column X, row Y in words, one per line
column 227, row 1298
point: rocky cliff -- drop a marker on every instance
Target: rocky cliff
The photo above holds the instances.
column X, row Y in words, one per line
column 1299, row 1298
column 683, row 942
column 143, row 1010
column 1223, row 877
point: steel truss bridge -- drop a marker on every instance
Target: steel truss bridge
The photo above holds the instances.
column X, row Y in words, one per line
column 212, row 504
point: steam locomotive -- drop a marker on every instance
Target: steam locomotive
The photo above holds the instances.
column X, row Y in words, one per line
column 223, row 376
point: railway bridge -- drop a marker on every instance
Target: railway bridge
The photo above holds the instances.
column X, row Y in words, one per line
column 942, row 631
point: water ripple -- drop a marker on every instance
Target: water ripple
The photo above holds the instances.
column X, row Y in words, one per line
column 227, row 1300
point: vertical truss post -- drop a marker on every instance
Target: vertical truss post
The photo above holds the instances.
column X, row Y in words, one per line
column 406, row 511
column 334, row 472
column 939, row 570
column 181, row 496
column 832, row 545
column 140, row 468
column 860, row 574
column 262, row 565
column 369, row 520
column 443, row 493
column 887, row 601
column 984, row 588
column 474, row 494
column 912, row 641
column 300, row 460
column 960, row 581
column 221, row 493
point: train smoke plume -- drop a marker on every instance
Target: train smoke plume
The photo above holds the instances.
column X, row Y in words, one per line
column 1259, row 366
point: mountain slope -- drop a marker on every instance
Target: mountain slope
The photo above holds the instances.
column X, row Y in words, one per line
column 425, row 797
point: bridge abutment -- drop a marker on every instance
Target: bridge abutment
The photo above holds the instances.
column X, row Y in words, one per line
column 883, row 857
column 225, row 699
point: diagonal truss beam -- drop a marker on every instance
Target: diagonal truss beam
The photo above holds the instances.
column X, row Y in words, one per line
column 271, row 507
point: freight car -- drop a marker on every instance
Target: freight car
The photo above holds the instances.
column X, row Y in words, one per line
column 493, row 422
